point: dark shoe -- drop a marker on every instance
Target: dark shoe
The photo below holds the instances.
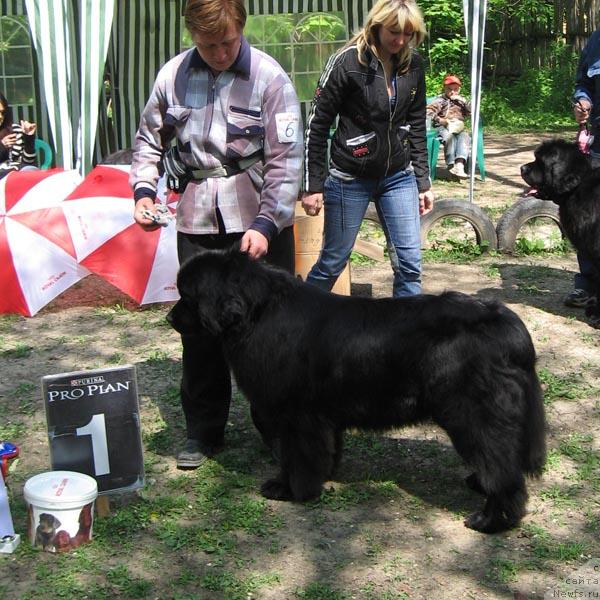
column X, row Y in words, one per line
column 580, row 298
column 194, row 454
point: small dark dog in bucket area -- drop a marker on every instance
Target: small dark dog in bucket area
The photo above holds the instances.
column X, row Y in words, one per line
column 563, row 174
column 313, row 364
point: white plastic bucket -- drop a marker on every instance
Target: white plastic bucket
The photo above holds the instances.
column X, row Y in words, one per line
column 61, row 509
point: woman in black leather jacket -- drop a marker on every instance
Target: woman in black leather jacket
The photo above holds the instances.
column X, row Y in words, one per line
column 375, row 85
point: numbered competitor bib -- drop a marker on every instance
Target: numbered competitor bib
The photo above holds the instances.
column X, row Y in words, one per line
column 288, row 127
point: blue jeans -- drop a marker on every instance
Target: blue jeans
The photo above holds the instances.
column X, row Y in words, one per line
column 456, row 145
column 397, row 202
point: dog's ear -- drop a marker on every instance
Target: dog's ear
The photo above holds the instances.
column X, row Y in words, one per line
column 234, row 310
column 565, row 166
column 566, row 183
column 182, row 318
column 245, row 290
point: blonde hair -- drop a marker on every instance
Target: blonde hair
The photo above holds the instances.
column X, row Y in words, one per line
column 212, row 17
column 396, row 15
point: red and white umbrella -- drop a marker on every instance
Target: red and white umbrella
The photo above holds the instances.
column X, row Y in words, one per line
column 111, row 244
column 37, row 256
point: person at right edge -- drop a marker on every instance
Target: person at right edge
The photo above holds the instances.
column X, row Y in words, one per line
column 586, row 100
column 376, row 86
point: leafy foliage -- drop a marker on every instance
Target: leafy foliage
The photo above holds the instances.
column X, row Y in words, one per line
column 536, row 98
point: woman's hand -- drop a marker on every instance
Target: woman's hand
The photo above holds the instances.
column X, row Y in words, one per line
column 28, row 128
column 312, row 203
column 426, row 202
column 8, row 141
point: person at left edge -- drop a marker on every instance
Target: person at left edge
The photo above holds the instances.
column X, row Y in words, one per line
column 17, row 142
column 235, row 118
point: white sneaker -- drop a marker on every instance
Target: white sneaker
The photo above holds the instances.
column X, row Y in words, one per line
column 458, row 170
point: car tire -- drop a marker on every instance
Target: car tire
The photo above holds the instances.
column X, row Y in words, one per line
column 522, row 211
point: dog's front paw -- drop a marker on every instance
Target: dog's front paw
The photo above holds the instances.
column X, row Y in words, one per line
column 275, row 489
column 479, row 521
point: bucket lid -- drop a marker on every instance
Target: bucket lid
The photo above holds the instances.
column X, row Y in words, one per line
column 60, row 489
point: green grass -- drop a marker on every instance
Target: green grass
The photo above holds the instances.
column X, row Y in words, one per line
column 356, row 258
column 20, row 350
column 11, row 430
column 562, row 497
column 562, row 387
column 554, row 245
column 355, row 494
column 320, row 591
column 123, row 582
column 235, row 587
column 156, row 357
column 579, row 448
column 503, row 570
column 453, row 250
column 7, row 322
column 548, row 548
column 492, row 271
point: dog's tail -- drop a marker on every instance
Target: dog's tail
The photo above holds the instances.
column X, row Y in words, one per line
column 513, row 340
column 521, row 351
column 535, row 428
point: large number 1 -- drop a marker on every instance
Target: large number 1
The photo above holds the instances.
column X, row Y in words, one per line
column 96, row 427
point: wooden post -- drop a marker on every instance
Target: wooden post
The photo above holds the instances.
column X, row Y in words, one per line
column 103, row 506
column 308, row 234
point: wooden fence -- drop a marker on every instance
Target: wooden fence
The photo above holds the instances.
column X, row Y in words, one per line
column 512, row 46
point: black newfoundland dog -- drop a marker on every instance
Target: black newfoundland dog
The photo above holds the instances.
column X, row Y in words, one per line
column 313, row 364
column 561, row 173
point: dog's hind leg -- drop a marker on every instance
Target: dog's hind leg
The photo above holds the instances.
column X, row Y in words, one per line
column 502, row 510
column 498, row 475
column 493, row 452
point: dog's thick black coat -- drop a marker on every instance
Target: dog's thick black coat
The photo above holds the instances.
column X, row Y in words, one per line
column 313, row 364
column 561, row 173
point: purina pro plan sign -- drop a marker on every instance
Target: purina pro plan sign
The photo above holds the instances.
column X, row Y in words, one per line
column 94, row 426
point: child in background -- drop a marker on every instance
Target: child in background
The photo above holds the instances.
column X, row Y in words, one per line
column 447, row 113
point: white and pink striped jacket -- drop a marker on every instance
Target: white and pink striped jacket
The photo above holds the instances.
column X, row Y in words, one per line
column 248, row 109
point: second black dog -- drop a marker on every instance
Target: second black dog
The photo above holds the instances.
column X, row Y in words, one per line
column 561, row 173
column 313, row 364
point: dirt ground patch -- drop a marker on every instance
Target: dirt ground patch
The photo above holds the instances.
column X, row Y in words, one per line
column 389, row 526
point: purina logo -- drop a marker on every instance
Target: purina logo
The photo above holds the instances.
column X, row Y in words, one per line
column 88, row 380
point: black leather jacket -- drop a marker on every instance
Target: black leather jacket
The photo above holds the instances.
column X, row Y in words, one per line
column 370, row 140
